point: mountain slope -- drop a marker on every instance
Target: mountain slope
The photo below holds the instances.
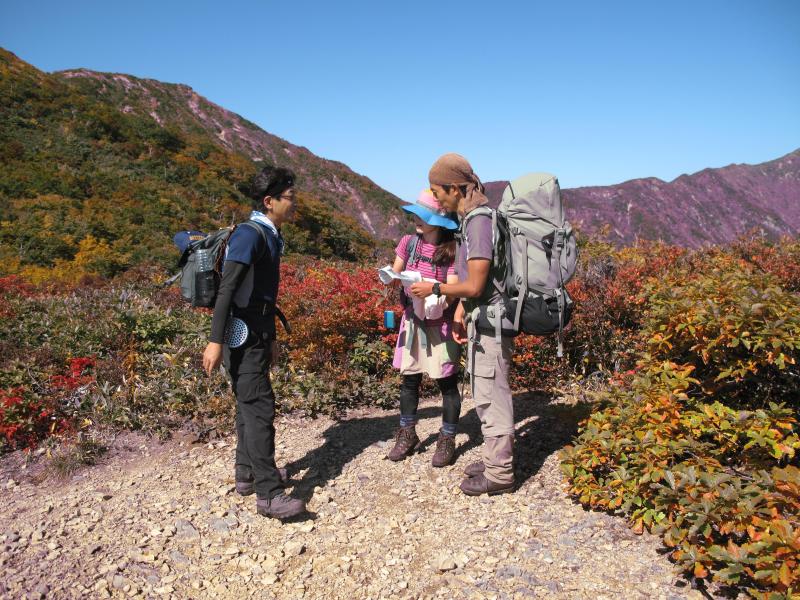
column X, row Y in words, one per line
column 178, row 105
column 98, row 170
column 711, row 206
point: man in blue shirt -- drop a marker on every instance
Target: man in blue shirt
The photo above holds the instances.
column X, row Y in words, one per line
column 249, row 290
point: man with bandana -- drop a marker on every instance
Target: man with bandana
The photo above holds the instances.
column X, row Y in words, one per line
column 458, row 189
column 248, row 291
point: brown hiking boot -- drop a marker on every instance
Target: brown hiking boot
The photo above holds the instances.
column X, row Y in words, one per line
column 445, row 450
column 246, row 487
column 405, row 442
column 280, row 507
column 475, row 468
column 477, row 485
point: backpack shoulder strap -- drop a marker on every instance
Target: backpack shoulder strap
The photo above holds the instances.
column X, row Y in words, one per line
column 499, row 285
column 490, row 212
column 258, row 228
column 412, row 246
column 263, row 235
column 481, row 303
column 481, row 210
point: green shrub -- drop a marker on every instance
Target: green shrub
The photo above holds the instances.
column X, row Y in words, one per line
column 145, row 346
column 151, row 328
column 701, row 442
column 734, row 325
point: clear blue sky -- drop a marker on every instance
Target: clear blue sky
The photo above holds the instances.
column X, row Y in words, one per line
column 597, row 92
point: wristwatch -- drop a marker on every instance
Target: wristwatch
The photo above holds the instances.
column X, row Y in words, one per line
column 436, row 290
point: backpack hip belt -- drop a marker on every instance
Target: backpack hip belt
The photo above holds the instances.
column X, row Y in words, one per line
column 264, row 309
column 471, row 337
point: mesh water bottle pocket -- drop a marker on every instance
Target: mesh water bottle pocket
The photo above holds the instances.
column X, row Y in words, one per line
column 205, row 288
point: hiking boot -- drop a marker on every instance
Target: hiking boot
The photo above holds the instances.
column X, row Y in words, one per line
column 445, row 450
column 405, row 442
column 477, row 485
column 475, row 468
column 280, row 507
column 246, row 487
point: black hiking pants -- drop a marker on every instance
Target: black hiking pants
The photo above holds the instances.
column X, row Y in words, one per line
column 248, row 366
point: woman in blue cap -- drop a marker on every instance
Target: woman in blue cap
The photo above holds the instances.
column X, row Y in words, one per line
column 425, row 342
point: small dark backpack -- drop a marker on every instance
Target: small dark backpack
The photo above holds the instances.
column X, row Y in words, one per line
column 200, row 263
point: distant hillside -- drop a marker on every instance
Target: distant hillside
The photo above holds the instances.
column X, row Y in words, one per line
column 711, row 206
column 176, row 105
column 108, row 164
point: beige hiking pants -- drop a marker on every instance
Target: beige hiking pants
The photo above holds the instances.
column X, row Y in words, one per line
column 493, row 403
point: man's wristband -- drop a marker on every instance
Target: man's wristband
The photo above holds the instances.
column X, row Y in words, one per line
column 437, row 289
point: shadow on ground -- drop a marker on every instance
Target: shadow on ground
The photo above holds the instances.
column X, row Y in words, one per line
column 345, row 440
column 543, row 427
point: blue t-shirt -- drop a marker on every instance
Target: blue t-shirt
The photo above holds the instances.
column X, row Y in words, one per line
column 247, row 246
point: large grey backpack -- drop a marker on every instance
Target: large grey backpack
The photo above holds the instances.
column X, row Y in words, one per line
column 541, row 255
column 535, row 255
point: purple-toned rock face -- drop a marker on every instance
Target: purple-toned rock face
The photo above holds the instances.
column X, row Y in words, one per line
column 712, row 206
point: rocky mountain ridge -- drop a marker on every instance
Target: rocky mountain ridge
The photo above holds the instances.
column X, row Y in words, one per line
column 83, row 134
column 91, row 161
column 712, row 206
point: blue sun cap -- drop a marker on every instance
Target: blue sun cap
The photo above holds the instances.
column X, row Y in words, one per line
column 428, row 209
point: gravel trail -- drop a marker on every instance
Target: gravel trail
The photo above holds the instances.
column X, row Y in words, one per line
column 163, row 520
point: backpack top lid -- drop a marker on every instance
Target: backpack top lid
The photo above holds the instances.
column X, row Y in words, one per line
column 537, row 193
column 183, row 239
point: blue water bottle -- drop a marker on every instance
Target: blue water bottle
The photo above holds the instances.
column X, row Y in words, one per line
column 388, row 319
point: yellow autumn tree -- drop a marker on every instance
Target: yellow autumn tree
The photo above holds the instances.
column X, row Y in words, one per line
column 94, row 257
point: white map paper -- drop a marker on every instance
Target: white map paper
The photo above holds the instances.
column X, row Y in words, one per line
column 431, row 307
column 386, row 274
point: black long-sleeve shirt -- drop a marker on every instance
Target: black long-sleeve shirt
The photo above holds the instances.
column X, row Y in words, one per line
column 233, row 275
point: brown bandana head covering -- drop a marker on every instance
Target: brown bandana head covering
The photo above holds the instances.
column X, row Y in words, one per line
column 454, row 169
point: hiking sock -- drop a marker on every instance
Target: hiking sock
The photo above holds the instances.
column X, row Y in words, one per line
column 408, row 420
column 449, row 428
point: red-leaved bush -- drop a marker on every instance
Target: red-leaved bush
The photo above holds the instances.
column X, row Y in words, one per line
column 27, row 418
column 328, row 308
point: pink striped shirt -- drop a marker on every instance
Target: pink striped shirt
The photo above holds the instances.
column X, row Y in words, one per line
column 423, row 257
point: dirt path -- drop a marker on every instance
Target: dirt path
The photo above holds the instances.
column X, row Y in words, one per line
column 163, row 521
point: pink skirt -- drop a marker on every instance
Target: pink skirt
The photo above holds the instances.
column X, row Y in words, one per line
column 438, row 357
